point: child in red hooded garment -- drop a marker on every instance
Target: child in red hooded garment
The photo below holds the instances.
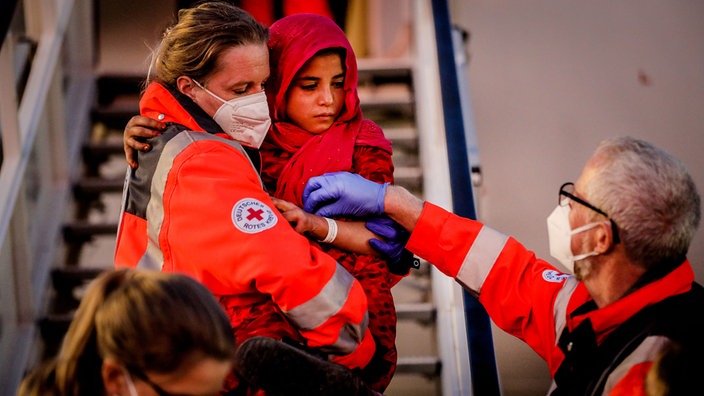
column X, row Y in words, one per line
column 318, row 127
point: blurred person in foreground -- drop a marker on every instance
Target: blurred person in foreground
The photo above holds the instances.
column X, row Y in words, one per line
column 140, row 333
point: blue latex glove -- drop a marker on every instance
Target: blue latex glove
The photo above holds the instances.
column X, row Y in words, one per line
column 395, row 237
column 343, row 193
column 399, row 260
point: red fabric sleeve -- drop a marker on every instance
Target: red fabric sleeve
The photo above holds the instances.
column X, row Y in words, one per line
column 515, row 291
column 373, row 164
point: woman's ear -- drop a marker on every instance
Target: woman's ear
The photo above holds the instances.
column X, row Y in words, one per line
column 113, row 374
column 186, row 86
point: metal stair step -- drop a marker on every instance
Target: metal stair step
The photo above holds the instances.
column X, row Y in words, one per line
column 410, row 177
column 83, row 230
column 96, row 152
column 402, row 137
column 90, row 186
column 79, row 232
column 52, row 329
column 102, row 148
column 422, row 312
column 69, row 277
column 112, row 86
column 389, row 106
column 381, row 70
column 66, row 281
column 116, row 115
column 426, row 365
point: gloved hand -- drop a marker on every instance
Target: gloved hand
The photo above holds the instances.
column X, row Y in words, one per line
column 399, row 259
column 343, row 193
column 395, row 237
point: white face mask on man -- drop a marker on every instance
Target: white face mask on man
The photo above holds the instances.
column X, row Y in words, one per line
column 560, row 237
column 245, row 119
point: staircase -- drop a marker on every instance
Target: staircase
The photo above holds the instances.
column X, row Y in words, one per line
column 89, row 234
column 387, row 97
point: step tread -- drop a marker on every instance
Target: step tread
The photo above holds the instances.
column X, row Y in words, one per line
column 74, row 273
column 82, row 228
column 97, row 184
column 427, row 365
column 424, row 312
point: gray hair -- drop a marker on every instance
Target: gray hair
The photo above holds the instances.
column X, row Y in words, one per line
column 651, row 197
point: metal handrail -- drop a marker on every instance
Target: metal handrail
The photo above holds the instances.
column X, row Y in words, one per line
column 41, row 137
column 447, row 294
column 463, row 329
column 482, row 364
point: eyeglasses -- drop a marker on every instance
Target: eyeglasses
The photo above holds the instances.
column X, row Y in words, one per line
column 142, row 376
column 567, row 193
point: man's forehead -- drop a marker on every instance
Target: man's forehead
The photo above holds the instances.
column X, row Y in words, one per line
column 588, row 173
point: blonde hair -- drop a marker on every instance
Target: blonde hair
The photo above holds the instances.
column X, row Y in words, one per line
column 146, row 320
column 194, row 44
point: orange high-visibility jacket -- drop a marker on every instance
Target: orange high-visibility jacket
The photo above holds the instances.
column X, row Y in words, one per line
column 589, row 350
column 196, row 206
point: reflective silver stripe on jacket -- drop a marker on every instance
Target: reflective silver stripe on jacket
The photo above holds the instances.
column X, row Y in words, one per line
column 560, row 312
column 560, row 305
column 647, row 351
column 153, row 257
column 327, row 304
column 349, row 337
column 481, row 258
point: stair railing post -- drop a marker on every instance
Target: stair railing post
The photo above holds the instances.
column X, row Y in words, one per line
column 484, row 375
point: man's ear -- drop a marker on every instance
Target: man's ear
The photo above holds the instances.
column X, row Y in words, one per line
column 186, row 86
column 113, row 375
column 604, row 238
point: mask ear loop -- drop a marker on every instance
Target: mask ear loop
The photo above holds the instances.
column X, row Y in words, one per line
column 129, row 382
column 587, row 227
column 208, row 91
column 582, row 229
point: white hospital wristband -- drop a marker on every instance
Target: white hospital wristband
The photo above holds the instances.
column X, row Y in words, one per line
column 332, row 231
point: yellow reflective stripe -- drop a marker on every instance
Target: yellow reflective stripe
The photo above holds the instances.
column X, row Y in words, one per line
column 326, row 304
column 481, row 258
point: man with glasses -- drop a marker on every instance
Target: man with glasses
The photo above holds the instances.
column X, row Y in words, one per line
column 623, row 229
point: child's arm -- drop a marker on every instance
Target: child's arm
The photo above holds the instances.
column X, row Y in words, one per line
column 136, row 131
column 352, row 236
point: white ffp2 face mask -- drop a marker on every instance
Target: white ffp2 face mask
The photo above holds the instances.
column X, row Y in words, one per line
column 560, row 237
column 245, row 119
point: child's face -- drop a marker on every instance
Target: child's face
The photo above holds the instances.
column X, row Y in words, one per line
column 316, row 96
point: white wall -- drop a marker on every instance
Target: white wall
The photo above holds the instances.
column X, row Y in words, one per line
column 549, row 79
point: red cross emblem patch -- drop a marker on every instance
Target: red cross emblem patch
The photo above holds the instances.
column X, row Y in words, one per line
column 252, row 216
